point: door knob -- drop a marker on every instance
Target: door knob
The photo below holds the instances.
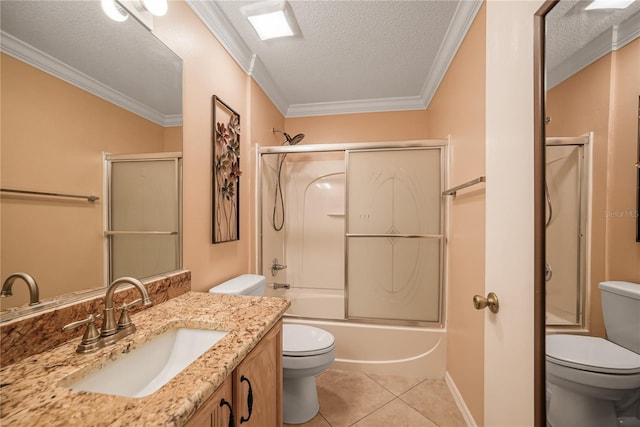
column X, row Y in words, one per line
column 480, row 302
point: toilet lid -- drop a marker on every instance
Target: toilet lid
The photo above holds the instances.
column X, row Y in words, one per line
column 591, row 354
column 303, row 340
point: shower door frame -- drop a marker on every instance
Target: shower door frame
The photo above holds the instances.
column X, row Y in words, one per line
column 437, row 143
column 108, row 159
column 585, row 145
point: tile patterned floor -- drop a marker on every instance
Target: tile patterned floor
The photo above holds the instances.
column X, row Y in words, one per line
column 355, row 399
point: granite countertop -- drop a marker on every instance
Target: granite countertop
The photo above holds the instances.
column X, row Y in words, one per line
column 33, row 394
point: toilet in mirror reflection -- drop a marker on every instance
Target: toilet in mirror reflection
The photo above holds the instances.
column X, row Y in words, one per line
column 595, row 382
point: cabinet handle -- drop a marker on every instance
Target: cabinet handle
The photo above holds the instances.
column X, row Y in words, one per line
column 231, row 420
column 249, row 400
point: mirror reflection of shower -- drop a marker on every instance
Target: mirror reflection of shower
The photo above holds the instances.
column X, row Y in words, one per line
column 548, row 272
column 278, row 197
column 567, row 206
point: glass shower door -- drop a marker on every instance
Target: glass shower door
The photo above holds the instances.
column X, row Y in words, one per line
column 394, row 234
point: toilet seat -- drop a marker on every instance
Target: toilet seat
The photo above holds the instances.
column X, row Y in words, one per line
column 304, row 340
column 591, row 354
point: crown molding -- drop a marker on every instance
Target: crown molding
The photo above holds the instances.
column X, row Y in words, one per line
column 609, row 41
column 50, row 65
column 356, row 106
column 462, row 19
column 262, row 77
column 215, row 20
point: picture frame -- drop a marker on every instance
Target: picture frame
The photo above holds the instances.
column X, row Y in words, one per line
column 225, row 207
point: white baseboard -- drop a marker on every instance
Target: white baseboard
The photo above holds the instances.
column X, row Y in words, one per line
column 466, row 414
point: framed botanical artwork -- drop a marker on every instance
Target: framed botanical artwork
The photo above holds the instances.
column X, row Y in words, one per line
column 226, row 173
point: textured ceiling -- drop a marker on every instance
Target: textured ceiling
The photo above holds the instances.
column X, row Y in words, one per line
column 577, row 37
column 351, row 56
column 348, row 50
column 354, row 56
column 122, row 56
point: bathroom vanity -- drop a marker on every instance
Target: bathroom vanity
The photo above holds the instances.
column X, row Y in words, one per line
column 253, row 393
column 243, row 371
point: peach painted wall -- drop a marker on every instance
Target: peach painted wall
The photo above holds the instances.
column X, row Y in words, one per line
column 209, row 70
column 362, row 127
column 602, row 98
column 623, row 252
column 458, row 109
column 53, row 136
column 264, row 118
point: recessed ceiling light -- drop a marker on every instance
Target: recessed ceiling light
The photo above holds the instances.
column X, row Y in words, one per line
column 609, row 4
column 271, row 19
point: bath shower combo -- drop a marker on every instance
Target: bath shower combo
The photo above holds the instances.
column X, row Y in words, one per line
column 363, row 243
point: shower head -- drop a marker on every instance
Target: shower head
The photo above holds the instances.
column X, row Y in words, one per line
column 290, row 140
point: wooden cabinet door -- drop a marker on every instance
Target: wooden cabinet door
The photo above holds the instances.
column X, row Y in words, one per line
column 258, row 383
column 218, row 410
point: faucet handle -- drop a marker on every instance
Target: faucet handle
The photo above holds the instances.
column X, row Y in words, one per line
column 91, row 319
column 125, row 320
column 91, row 334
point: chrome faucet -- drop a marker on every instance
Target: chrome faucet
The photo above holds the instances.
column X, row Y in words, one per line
column 34, row 293
column 110, row 332
column 109, row 326
column 275, row 267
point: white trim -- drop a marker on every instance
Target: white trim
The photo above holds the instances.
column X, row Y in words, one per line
column 609, row 41
column 216, row 21
column 50, row 65
column 457, row 397
column 219, row 25
column 262, row 77
column 462, row 19
column 356, row 106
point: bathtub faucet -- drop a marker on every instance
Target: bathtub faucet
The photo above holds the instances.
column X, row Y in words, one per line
column 275, row 267
column 281, row 286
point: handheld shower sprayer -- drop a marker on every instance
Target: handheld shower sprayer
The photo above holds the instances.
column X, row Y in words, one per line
column 278, row 202
column 290, row 140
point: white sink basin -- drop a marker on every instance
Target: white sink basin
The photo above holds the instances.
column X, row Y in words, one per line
column 150, row 366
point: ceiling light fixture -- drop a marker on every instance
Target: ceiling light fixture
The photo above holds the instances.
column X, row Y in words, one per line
column 142, row 10
column 609, row 4
column 156, row 7
column 271, row 19
column 113, row 10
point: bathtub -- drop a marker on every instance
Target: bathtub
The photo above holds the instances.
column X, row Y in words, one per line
column 366, row 347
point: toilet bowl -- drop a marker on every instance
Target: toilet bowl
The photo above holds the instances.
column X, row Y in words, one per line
column 307, row 352
column 593, row 381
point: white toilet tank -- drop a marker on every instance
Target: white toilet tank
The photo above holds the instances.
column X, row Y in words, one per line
column 247, row 284
column 621, row 310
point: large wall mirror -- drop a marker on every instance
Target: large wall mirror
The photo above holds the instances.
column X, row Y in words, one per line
column 592, row 78
column 586, row 178
column 77, row 88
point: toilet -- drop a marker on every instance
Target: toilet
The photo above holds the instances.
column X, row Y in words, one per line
column 307, row 352
column 593, row 381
